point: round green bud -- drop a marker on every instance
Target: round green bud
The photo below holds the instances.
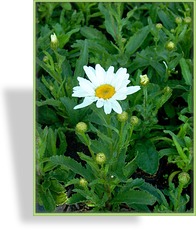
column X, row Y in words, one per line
column 144, row 80
column 134, row 120
column 100, row 158
column 159, row 26
column 187, row 20
column 183, row 178
column 170, row 46
column 123, row 116
column 167, row 89
column 81, row 127
column 178, row 20
column 83, row 182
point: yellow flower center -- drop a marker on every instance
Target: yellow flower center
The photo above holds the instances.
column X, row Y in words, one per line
column 105, row 91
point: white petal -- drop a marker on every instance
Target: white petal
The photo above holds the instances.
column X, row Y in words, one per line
column 85, row 84
column 121, row 71
column 116, row 106
column 100, row 103
column 109, row 75
column 100, row 74
column 79, row 92
column 132, row 89
column 107, row 107
column 87, row 101
column 90, row 72
column 119, row 96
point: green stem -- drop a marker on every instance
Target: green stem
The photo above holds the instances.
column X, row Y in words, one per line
column 87, row 142
column 108, row 119
column 120, row 137
column 145, row 92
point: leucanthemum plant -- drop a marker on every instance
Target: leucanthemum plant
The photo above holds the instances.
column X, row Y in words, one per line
column 114, row 107
column 105, row 88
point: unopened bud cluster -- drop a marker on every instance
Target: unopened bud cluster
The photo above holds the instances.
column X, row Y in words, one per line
column 144, row 80
column 134, row 120
column 123, row 116
column 159, row 26
column 81, row 127
column 83, row 182
column 100, row 158
column 170, row 46
column 183, row 178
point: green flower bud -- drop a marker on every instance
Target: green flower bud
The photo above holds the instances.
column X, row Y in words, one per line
column 187, row 20
column 81, row 127
column 83, row 182
column 159, row 26
column 123, row 116
column 170, row 46
column 167, row 89
column 183, row 178
column 100, row 158
column 178, row 20
column 134, row 120
column 144, row 80
column 54, row 41
column 45, row 59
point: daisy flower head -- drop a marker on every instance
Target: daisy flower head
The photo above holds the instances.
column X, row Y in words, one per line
column 105, row 88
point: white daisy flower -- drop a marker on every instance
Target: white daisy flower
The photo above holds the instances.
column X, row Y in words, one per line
column 105, row 88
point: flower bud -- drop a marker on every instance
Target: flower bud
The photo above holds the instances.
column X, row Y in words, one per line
column 123, row 116
column 81, row 127
column 100, row 158
column 170, row 46
column 134, row 120
column 183, row 178
column 178, row 20
column 83, row 182
column 159, row 26
column 144, row 79
column 167, row 89
column 54, row 41
column 45, row 59
column 187, row 20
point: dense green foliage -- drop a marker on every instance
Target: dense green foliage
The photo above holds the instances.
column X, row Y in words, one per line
column 155, row 39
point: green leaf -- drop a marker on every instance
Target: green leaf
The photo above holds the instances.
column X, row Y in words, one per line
column 50, row 101
column 82, row 60
column 74, row 116
column 134, row 197
column 56, row 186
column 76, row 198
column 111, row 24
column 63, row 143
column 186, row 73
column 136, row 40
column 72, row 165
column 49, row 70
column 47, row 200
column 147, row 157
column 51, row 142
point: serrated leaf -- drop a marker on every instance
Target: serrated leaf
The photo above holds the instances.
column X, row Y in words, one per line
column 47, row 200
column 72, row 165
column 76, row 198
column 56, row 186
